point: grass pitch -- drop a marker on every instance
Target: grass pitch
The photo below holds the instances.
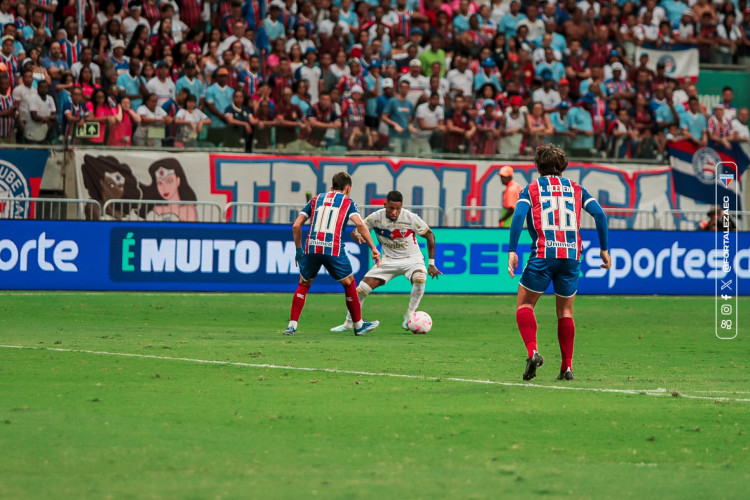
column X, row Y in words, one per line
column 125, row 395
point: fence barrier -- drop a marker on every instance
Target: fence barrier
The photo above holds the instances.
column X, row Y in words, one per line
column 48, row 208
column 689, row 220
column 162, row 210
column 249, row 212
column 286, row 213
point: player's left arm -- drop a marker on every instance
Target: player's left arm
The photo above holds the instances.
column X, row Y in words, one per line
column 432, row 270
column 602, row 227
column 297, row 233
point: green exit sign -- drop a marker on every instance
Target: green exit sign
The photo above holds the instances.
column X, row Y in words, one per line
column 88, row 130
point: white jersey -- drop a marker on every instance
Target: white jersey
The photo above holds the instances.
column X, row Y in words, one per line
column 398, row 238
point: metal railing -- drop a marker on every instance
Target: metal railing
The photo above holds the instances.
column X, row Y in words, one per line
column 472, row 216
column 625, row 218
column 162, row 210
column 48, row 208
column 261, row 212
column 286, row 213
column 690, row 220
column 433, row 215
column 489, row 216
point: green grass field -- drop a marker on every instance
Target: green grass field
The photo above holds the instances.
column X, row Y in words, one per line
column 131, row 395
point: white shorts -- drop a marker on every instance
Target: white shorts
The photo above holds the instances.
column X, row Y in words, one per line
column 391, row 268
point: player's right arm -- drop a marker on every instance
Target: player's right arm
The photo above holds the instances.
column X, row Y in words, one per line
column 602, row 228
column 361, row 228
column 523, row 205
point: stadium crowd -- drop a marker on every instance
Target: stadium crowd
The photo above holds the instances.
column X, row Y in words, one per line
column 408, row 76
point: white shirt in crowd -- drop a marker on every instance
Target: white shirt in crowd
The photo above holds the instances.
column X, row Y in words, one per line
column 536, row 28
column 7, row 18
column 129, row 25
column 44, row 108
column 21, row 94
column 459, row 80
column 164, row 90
column 431, row 118
column 548, row 99
column 188, row 132
column 740, row 129
column 75, row 70
column 143, row 111
column 418, row 86
column 178, row 29
column 326, row 27
column 228, row 41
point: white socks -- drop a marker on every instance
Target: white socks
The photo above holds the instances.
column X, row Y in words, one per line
column 417, row 291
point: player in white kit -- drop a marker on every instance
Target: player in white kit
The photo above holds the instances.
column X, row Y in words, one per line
column 397, row 230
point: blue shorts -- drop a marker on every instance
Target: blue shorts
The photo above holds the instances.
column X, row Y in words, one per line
column 338, row 267
column 563, row 273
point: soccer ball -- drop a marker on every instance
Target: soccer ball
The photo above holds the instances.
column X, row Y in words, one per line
column 419, row 322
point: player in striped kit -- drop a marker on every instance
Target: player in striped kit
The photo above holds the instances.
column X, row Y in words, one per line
column 330, row 212
column 551, row 206
column 396, row 230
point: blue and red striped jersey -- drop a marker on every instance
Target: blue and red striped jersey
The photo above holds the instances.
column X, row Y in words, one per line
column 71, row 51
column 330, row 213
column 7, row 123
column 555, row 216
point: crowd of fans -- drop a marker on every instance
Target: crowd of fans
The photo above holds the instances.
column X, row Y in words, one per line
column 408, row 76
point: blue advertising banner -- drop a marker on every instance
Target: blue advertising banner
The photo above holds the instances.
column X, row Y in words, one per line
column 21, row 172
column 39, row 255
column 54, row 255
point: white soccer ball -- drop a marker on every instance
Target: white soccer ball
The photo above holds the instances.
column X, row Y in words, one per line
column 419, row 322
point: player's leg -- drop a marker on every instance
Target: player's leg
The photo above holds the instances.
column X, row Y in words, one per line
column 534, row 280
column 366, row 286
column 418, row 277
column 565, row 283
column 340, row 269
column 309, row 266
column 298, row 303
column 566, row 333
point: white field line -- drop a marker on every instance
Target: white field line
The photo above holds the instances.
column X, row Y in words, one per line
column 647, row 392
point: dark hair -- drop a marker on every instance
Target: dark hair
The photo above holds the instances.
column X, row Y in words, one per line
column 395, row 197
column 550, row 160
column 728, row 87
column 93, row 170
column 151, row 192
column 94, row 104
column 190, row 97
column 340, row 181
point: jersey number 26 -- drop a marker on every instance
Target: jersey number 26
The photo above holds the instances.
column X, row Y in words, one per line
column 566, row 215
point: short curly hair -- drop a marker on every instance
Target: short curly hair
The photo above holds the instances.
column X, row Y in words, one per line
column 550, row 160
